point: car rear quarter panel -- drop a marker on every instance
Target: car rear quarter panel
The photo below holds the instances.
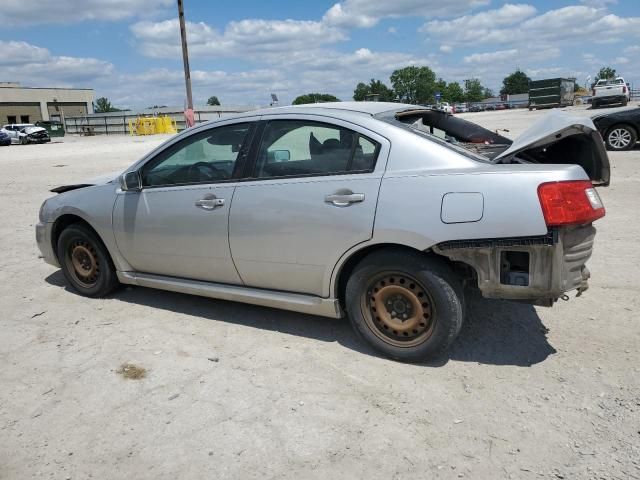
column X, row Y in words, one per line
column 409, row 206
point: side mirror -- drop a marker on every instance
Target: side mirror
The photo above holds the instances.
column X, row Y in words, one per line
column 130, row 181
column 281, row 155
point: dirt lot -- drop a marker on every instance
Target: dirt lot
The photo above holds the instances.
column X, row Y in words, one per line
column 236, row 391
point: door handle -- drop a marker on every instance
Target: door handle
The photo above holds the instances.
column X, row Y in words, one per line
column 344, row 198
column 209, row 202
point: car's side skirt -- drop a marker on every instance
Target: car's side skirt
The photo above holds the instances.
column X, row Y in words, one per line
column 326, row 307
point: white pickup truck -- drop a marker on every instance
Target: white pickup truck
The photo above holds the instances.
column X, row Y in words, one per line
column 610, row 91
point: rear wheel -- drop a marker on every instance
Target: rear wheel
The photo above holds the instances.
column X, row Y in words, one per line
column 85, row 262
column 406, row 305
column 621, row 137
column 624, row 102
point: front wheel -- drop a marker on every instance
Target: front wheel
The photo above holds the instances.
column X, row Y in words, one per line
column 85, row 262
column 621, row 137
column 406, row 305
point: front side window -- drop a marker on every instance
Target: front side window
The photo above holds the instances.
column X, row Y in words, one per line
column 303, row 148
column 208, row 156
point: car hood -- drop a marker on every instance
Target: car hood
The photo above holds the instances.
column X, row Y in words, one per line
column 559, row 138
column 101, row 180
column 30, row 130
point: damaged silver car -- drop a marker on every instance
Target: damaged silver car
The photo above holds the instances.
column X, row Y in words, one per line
column 380, row 212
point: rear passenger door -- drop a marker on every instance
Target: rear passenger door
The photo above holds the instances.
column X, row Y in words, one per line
column 311, row 195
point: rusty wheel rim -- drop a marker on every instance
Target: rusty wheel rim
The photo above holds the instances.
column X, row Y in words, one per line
column 399, row 310
column 84, row 263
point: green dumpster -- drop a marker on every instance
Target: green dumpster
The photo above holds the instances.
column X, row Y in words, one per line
column 55, row 129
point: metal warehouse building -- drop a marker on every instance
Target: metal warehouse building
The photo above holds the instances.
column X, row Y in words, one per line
column 28, row 105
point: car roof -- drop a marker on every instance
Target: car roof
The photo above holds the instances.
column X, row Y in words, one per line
column 365, row 108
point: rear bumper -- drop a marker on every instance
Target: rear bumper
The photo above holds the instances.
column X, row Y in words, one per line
column 43, row 239
column 609, row 100
column 555, row 264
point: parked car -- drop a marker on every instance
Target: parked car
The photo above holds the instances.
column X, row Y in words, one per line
column 461, row 108
column 5, row 139
column 620, row 130
column 610, row 91
column 476, row 108
column 445, row 107
column 24, row 133
column 378, row 211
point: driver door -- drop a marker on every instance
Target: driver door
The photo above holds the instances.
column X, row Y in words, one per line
column 177, row 224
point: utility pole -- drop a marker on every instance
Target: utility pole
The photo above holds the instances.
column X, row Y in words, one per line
column 185, row 55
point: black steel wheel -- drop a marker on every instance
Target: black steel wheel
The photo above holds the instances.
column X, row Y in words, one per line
column 407, row 305
column 85, row 261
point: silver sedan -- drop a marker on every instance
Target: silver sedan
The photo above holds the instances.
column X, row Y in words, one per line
column 381, row 212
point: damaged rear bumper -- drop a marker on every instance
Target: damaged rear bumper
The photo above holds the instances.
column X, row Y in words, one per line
column 536, row 270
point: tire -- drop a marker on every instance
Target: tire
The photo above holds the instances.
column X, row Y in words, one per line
column 624, row 102
column 406, row 305
column 85, row 262
column 621, row 137
column 594, row 105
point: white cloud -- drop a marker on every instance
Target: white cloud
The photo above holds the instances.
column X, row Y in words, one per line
column 367, row 13
column 25, row 12
column 513, row 56
column 19, row 53
column 35, row 66
column 243, row 38
column 621, row 60
column 563, row 26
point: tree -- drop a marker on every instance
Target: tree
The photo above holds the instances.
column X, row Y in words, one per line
column 414, row 84
column 606, row 73
column 453, row 93
column 363, row 90
column 213, row 101
column 473, row 90
column 315, row 98
column 103, row 105
column 517, row 82
column 487, row 93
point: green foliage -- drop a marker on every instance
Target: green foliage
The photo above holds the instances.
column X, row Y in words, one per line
column 473, row 90
column 453, row 93
column 517, row 82
column 213, row 101
column 315, row 98
column 414, row 84
column 606, row 73
column 363, row 91
column 103, row 105
column 487, row 93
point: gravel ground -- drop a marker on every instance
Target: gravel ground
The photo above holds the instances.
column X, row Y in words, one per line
column 237, row 391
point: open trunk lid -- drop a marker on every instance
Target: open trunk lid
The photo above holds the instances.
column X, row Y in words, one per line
column 560, row 138
column 557, row 138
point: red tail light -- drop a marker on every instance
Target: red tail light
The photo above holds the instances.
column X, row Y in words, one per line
column 570, row 203
column 624, row 89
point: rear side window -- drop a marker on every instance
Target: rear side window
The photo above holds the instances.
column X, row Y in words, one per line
column 303, row 148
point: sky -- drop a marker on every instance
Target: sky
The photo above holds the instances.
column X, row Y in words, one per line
column 242, row 51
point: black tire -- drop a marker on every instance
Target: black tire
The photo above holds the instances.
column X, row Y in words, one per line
column 594, row 105
column 624, row 102
column 85, row 262
column 391, row 280
column 621, row 137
